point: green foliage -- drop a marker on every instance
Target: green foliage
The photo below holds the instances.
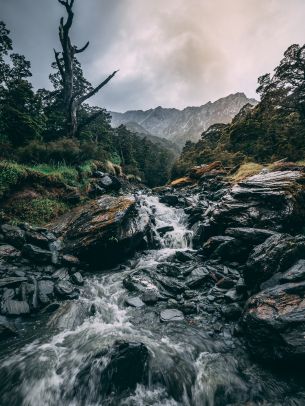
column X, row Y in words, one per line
column 37, row 211
column 10, row 175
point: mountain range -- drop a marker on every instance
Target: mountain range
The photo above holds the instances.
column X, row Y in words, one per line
column 179, row 126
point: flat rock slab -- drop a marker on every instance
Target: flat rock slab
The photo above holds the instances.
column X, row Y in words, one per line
column 15, row 308
column 134, row 302
column 171, row 315
column 12, row 281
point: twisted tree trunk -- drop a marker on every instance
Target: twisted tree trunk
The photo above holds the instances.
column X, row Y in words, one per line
column 72, row 101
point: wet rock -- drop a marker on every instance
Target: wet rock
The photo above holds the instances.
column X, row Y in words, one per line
column 276, row 254
column 183, row 256
column 52, row 307
column 77, row 278
column 37, row 239
column 225, row 283
column 65, row 290
column 170, row 199
column 231, row 312
column 104, row 231
column 272, row 201
column 9, row 253
column 214, row 242
column 6, row 282
column 233, row 296
column 45, row 291
column 163, row 230
column 171, row 315
column 127, row 367
column 150, row 297
column 70, row 315
column 134, row 302
column 70, row 260
column 15, row 308
column 198, row 277
column 61, row 274
column 7, row 331
column 252, row 236
column 37, row 254
column 13, row 235
column 274, row 322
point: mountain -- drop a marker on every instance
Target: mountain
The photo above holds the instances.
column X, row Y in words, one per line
column 180, row 126
column 163, row 142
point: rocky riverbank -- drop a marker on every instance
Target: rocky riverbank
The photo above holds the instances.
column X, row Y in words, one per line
column 199, row 286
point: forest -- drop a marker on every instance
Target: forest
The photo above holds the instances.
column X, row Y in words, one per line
column 57, row 129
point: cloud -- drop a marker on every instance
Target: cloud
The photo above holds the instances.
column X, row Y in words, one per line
column 174, row 53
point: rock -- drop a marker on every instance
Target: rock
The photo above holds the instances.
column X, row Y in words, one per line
column 198, row 277
column 231, row 312
column 70, row 315
column 65, row 290
column 171, row 315
column 13, row 235
column 134, row 302
column 169, row 199
column 241, row 287
column 272, row 201
column 198, row 171
column 8, row 252
column 274, row 321
column 183, row 256
column 6, row 331
column 77, row 278
column 61, row 274
column 294, row 274
column 225, row 283
column 37, row 254
column 276, row 254
column 45, row 291
column 163, row 230
column 15, row 308
column 126, row 367
column 232, row 296
column 13, row 281
column 252, row 236
column 37, row 239
column 214, row 242
column 150, row 297
column 52, row 307
column 70, row 260
column 104, row 231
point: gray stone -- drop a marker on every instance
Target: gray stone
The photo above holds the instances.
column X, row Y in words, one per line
column 37, row 254
column 45, row 291
column 15, row 308
column 13, row 235
column 65, row 290
column 150, row 297
column 77, row 278
column 171, row 315
column 13, row 281
column 134, row 302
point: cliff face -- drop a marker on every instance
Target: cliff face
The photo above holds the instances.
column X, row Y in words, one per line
column 180, row 126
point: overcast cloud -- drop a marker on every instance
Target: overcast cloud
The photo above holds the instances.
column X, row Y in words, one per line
column 173, row 53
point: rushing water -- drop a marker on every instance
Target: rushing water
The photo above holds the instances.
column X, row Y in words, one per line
column 187, row 364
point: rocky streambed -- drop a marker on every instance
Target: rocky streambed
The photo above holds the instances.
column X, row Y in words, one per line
column 193, row 296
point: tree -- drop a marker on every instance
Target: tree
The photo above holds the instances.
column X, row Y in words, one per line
column 21, row 117
column 65, row 60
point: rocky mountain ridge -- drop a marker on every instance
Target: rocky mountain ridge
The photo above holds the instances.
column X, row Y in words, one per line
column 180, row 126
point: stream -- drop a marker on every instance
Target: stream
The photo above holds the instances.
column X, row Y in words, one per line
column 61, row 359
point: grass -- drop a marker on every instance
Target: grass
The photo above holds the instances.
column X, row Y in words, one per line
column 10, row 175
column 37, row 211
column 245, row 171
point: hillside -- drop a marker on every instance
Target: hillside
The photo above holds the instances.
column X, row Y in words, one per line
column 180, row 126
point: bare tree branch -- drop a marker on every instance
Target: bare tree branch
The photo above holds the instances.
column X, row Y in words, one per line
column 78, row 51
column 96, row 89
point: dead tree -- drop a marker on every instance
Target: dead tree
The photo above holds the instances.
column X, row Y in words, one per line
column 64, row 61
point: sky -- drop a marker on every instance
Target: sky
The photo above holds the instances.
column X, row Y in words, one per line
column 173, row 53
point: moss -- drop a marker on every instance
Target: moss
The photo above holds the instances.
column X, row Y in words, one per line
column 245, row 171
column 37, row 211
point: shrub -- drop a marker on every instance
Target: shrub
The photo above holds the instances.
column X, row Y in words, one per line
column 10, row 175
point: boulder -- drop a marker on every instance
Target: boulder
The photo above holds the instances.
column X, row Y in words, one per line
column 274, row 323
column 104, row 231
column 12, row 281
column 272, row 200
column 276, row 254
column 45, row 291
column 6, row 331
column 37, row 254
column 38, row 239
column 134, row 302
column 77, row 278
